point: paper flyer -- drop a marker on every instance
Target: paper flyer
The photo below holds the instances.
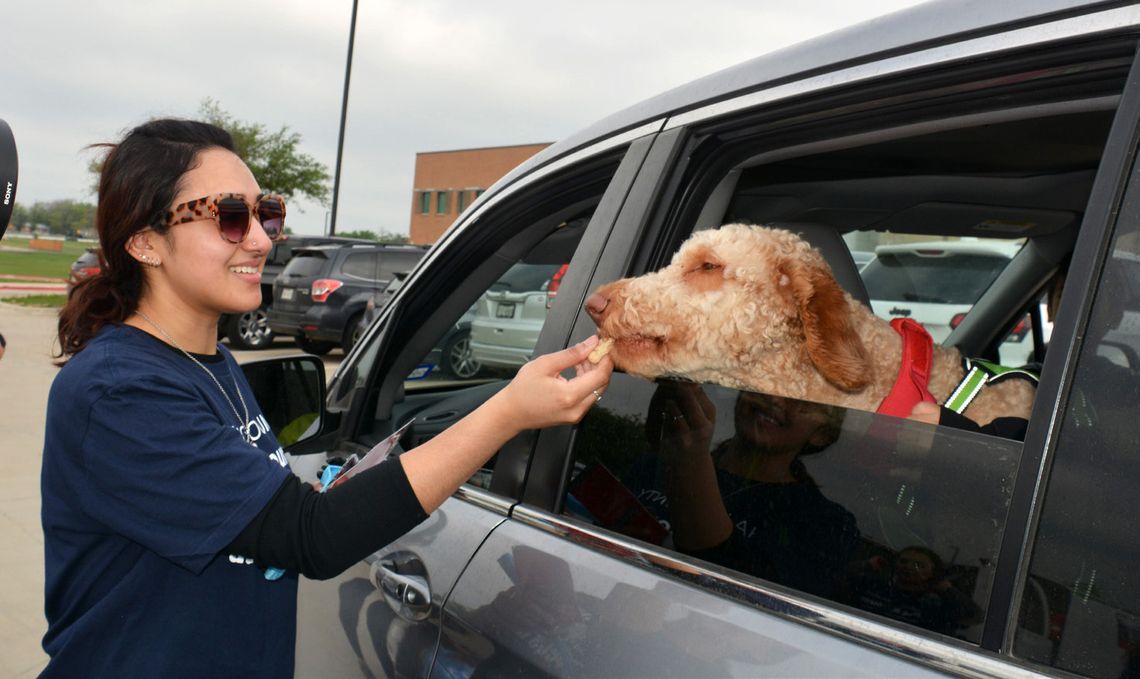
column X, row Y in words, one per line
column 378, row 454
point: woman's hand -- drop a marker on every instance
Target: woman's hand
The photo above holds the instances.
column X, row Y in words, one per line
column 926, row 412
column 680, row 424
column 681, row 419
column 539, row 396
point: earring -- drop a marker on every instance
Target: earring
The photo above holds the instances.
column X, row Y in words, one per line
column 147, row 259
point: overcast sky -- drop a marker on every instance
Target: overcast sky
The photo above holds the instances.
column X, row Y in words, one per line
column 428, row 75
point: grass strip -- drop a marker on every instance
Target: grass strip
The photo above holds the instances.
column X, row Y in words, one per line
column 40, row 301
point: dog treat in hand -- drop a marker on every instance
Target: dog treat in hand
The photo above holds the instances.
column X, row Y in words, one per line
column 601, row 350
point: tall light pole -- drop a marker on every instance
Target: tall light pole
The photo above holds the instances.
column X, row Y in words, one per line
column 343, row 118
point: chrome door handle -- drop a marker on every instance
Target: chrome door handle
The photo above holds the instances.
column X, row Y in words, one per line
column 407, row 593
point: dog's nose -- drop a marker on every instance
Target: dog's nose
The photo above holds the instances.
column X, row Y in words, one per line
column 596, row 307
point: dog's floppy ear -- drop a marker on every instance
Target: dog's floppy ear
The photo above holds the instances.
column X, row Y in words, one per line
column 831, row 340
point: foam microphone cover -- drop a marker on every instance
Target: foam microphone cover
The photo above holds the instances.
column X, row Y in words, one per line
column 9, row 170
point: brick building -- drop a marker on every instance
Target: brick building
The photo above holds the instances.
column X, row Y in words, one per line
column 446, row 182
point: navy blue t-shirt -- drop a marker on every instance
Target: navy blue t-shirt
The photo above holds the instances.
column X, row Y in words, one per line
column 146, row 480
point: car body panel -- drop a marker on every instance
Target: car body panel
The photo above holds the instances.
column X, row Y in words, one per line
column 84, row 266
column 531, row 604
column 370, row 636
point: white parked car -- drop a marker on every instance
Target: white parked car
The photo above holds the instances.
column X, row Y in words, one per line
column 510, row 315
column 937, row 283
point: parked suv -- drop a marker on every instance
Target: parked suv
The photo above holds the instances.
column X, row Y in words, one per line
column 251, row 330
column 885, row 548
column 320, row 296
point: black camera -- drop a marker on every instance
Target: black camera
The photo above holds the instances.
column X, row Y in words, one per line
column 9, row 170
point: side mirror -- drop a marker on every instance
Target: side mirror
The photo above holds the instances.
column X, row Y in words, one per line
column 291, row 393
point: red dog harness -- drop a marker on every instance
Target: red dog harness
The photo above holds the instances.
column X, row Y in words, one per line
column 914, row 370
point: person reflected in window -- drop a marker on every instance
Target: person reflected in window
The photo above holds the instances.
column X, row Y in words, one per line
column 749, row 502
column 913, row 589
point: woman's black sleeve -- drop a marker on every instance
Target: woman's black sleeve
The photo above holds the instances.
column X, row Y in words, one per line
column 1005, row 427
column 322, row 534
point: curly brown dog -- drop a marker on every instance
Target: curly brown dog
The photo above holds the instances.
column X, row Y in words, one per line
column 758, row 309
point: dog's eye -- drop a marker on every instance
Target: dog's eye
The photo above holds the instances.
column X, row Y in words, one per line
column 710, row 266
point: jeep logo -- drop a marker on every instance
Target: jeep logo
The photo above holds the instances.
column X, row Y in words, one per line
column 899, row 312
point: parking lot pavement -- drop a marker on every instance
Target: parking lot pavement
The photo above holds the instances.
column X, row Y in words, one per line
column 26, row 372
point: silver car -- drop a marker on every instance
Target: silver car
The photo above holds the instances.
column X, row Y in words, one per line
column 510, row 315
column 866, row 545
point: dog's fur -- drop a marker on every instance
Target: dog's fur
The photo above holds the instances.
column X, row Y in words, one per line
column 758, row 309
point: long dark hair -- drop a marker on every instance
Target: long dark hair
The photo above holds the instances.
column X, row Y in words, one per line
column 140, row 177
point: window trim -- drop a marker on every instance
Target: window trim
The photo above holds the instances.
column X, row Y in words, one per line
column 377, row 395
column 1113, row 185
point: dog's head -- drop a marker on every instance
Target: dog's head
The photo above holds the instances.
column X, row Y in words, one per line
column 736, row 306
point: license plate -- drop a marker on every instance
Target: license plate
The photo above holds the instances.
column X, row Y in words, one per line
column 287, row 293
column 505, row 310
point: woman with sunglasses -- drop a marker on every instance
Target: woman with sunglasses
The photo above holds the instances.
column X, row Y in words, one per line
column 166, row 501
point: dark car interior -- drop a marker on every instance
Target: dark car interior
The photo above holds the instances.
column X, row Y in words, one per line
column 974, row 180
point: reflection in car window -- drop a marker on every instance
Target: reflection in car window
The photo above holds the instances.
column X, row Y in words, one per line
column 887, row 515
column 1080, row 610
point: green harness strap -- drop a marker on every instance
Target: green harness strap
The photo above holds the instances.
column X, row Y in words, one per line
column 979, row 373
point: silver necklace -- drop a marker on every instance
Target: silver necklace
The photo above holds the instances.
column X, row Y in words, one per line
column 243, row 423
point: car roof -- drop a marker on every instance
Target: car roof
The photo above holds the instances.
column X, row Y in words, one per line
column 924, row 26
column 363, row 245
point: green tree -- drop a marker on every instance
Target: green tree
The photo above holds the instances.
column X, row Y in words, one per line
column 359, row 233
column 19, row 216
column 61, row 217
column 383, row 237
column 392, row 238
column 272, row 157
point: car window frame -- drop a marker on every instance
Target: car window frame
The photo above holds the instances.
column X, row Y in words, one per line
column 360, row 405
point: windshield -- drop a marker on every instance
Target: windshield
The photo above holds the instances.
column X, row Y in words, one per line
column 953, row 279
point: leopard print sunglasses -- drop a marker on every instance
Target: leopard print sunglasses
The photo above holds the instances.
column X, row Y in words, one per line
column 232, row 213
